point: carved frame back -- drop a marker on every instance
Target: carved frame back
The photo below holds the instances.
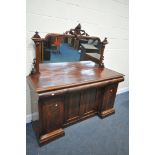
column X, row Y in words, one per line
column 72, row 33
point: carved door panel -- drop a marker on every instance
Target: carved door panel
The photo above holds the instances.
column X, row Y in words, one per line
column 52, row 114
column 88, row 102
column 72, row 107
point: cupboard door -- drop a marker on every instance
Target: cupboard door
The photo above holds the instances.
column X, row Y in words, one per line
column 72, row 107
column 52, row 111
column 108, row 97
column 88, row 102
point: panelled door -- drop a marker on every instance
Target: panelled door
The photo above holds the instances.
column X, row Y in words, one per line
column 52, row 113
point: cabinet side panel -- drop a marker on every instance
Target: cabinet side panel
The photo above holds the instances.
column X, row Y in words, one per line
column 34, row 105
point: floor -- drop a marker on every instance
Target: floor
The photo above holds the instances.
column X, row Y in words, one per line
column 95, row 136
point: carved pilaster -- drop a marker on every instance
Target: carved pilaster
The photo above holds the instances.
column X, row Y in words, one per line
column 37, row 40
column 33, row 67
column 103, row 43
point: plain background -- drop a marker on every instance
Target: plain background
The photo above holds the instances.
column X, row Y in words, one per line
column 13, row 80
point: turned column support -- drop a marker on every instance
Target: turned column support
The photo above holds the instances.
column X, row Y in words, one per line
column 103, row 43
column 37, row 40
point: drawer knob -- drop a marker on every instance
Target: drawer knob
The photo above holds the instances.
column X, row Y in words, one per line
column 52, row 94
column 111, row 90
column 56, row 105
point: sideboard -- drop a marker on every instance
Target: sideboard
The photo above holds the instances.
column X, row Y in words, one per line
column 65, row 93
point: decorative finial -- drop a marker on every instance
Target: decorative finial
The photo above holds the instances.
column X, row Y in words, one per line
column 78, row 27
column 36, row 35
column 105, row 41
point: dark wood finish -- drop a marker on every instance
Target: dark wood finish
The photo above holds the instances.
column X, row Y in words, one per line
column 52, row 114
column 108, row 95
column 71, row 92
column 77, row 31
column 37, row 40
column 54, row 76
column 75, row 34
column 103, row 43
column 72, row 107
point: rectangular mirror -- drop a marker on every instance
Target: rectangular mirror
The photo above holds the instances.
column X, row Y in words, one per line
column 64, row 48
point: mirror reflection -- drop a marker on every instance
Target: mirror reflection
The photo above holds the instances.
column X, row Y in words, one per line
column 61, row 48
column 71, row 46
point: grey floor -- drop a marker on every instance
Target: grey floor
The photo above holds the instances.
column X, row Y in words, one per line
column 94, row 136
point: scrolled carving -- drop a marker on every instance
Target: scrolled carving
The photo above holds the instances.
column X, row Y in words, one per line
column 37, row 40
column 103, row 43
column 33, row 67
column 77, row 31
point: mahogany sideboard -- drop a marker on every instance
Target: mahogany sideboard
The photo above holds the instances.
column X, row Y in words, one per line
column 65, row 93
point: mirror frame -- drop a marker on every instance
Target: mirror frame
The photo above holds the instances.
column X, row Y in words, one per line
column 76, row 33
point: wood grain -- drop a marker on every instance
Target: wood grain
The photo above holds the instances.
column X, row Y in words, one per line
column 54, row 76
column 68, row 93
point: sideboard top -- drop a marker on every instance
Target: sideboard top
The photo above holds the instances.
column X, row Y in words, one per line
column 55, row 76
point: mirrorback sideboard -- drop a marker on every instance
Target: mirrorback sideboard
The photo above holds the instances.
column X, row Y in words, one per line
column 66, row 93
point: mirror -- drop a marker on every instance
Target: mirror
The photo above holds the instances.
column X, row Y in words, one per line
column 59, row 48
column 72, row 46
column 65, row 48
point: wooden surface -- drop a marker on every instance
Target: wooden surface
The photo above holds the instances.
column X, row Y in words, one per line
column 75, row 35
column 67, row 93
column 62, row 75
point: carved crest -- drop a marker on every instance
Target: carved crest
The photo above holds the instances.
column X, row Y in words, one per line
column 77, row 31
